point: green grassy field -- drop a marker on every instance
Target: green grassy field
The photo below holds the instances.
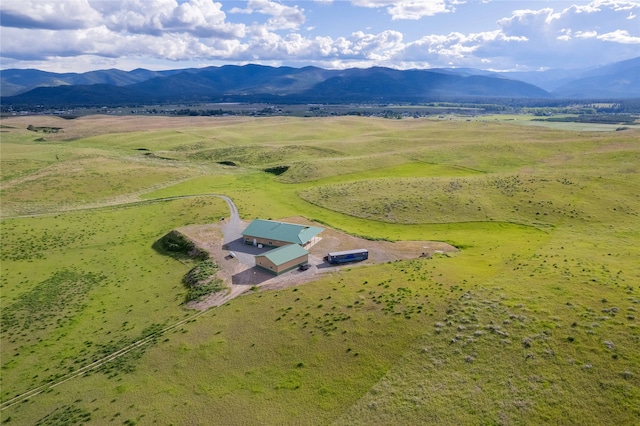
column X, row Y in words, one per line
column 533, row 321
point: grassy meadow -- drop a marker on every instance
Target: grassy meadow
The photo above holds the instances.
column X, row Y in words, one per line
column 535, row 320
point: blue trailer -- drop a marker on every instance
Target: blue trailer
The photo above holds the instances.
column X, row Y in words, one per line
column 347, row 256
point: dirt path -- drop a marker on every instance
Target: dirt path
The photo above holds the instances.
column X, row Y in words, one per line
column 94, row 365
column 114, row 203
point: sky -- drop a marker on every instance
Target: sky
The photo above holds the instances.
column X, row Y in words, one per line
column 497, row 35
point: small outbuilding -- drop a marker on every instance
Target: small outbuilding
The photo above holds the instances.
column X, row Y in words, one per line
column 277, row 234
column 282, row 259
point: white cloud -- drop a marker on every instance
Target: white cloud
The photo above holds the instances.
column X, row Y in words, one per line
column 468, row 50
column 407, row 9
column 586, row 34
column 199, row 31
column 202, row 18
column 565, row 35
column 48, row 15
column 282, row 16
column 599, row 31
column 620, row 36
column 379, row 45
column 103, row 42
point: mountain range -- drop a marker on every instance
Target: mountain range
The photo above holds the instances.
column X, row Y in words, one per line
column 257, row 83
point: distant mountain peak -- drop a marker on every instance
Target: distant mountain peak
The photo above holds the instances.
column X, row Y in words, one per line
column 380, row 84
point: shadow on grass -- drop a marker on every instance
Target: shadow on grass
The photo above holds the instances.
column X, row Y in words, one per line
column 179, row 246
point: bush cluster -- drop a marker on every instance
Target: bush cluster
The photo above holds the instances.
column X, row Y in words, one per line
column 200, row 281
column 175, row 242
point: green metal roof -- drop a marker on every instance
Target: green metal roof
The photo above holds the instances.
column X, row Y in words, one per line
column 281, row 231
column 282, row 255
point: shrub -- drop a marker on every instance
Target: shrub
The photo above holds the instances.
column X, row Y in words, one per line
column 200, row 291
column 177, row 243
column 203, row 271
column 201, row 281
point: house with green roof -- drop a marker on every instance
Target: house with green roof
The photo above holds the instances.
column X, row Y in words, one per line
column 277, row 234
column 283, row 258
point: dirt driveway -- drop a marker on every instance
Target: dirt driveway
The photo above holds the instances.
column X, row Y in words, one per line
column 240, row 273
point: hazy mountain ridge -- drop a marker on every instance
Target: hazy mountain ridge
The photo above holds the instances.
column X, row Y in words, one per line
column 17, row 81
column 311, row 84
column 621, row 79
column 556, row 81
